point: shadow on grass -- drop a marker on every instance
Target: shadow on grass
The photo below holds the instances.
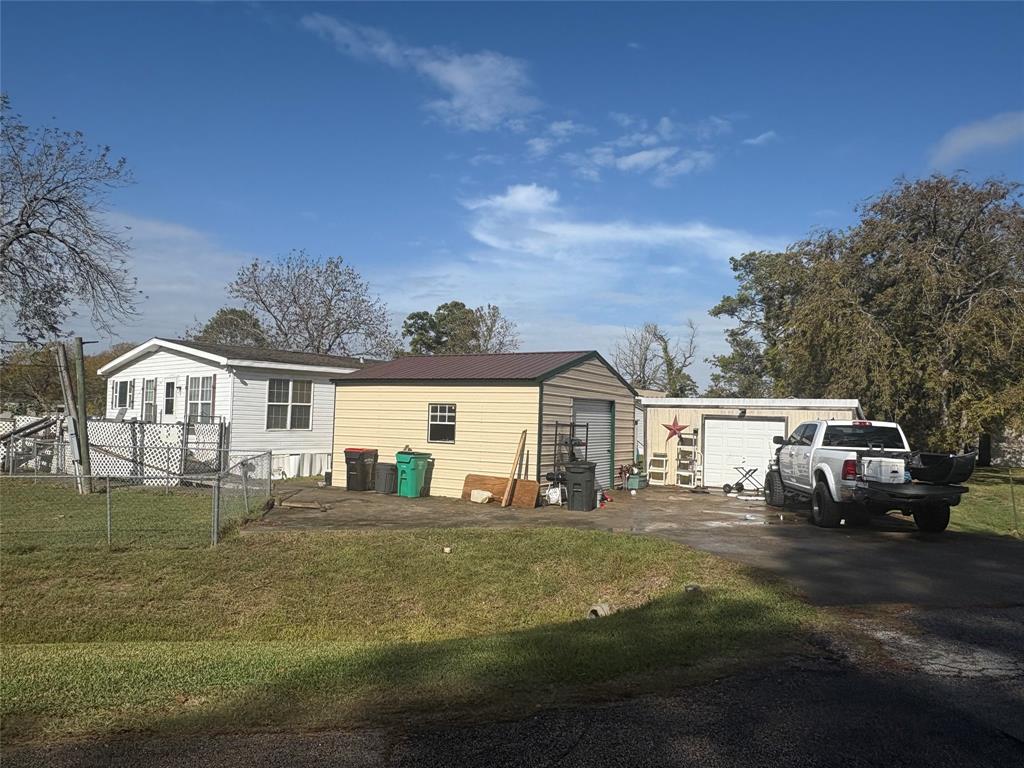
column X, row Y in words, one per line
column 678, row 638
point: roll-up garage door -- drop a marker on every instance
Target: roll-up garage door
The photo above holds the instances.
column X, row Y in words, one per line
column 597, row 414
column 731, row 443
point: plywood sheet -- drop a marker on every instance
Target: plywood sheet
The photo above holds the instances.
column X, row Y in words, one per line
column 523, row 497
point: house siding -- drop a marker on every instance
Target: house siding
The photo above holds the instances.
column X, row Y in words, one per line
column 657, row 416
column 590, row 380
column 249, row 414
column 388, row 417
column 168, row 366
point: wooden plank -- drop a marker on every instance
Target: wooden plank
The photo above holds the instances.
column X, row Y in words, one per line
column 523, row 497
column 506, row 498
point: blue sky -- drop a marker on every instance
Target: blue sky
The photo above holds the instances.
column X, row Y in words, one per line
column 585, row 167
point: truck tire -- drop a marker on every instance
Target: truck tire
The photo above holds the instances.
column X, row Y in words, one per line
column 774, row 493
column 825, row 513
column 933, row 519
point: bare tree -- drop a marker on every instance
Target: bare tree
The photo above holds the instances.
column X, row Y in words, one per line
column 649, row 359
column 230, row 325
column 56, row 250
column 315, row 306
column 495, row 332
column 637, row 358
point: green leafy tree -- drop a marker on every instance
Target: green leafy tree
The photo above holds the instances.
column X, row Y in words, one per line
column 917, row 310
column 455, row 329
column 230, row 325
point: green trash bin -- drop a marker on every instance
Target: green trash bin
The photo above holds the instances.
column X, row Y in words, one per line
column 412, row 472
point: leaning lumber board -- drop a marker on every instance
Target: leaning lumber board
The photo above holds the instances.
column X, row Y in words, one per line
column 524, row 496
column 506, row 498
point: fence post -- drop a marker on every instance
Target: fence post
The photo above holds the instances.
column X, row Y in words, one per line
column 215, row 532
column 1013, row 502
column 109, row 538
column 245, row 489
column 270, row 472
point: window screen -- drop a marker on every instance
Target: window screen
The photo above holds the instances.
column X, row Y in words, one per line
column 441, row 423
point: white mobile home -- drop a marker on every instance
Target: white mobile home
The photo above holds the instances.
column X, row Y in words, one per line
column 267, row 399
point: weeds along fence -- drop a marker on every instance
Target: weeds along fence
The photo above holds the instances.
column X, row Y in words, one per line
column 138, row 512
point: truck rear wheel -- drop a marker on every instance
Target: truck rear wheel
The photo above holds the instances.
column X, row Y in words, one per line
column 825, row 512
column 774, row 494
column 934, row 518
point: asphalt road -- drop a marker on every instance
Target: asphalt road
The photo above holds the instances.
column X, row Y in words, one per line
column 801, row 714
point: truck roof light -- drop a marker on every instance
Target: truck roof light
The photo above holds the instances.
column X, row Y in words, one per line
column 862, row 423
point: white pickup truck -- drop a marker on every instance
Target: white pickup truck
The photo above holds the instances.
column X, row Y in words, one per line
column 851, row 470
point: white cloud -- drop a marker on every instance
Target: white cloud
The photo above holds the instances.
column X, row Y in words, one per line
column 555, row 135
column 527, row 219
column 691, row 162
column 181, row 272
column 527, row 243
column 645, row 159
column 991, row 133
column 482, row 91
column 540, row 146
column 760, row 140
column 625, row 120
column 634, row 46
column 518, row 198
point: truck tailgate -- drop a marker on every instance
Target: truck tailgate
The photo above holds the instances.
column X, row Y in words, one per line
column 912, row 491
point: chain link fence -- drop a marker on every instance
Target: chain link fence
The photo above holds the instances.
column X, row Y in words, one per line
column 132, row 512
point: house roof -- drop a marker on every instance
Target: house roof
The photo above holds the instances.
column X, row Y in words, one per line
column 507, row 366
column 233, row 352
column 248, row 357
column 748, row 402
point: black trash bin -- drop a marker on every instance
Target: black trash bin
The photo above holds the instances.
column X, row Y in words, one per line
column 581, row 485
column 359, row 463
column 386, row 478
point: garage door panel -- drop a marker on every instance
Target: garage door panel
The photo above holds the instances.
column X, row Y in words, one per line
column 731, row 443
column 598, row 415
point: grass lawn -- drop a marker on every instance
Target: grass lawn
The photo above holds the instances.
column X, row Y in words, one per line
column 987, row 508
column 332, row 629
column 48, row 513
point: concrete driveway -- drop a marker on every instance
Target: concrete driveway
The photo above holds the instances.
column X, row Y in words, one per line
column 890, row 562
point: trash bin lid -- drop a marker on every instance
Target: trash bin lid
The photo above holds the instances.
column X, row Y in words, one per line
column 357, row 450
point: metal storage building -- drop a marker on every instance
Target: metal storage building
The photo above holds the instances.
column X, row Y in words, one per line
column 470, row 410
column 730, row 432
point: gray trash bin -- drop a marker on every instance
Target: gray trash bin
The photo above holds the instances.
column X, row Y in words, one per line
column 387, row 478
column 581, row 485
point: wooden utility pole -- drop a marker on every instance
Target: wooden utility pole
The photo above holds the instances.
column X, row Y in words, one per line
column 83, row 418
column 69, row 409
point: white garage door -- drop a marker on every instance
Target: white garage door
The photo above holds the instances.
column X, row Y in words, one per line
column 598, row 415
column 730, row 443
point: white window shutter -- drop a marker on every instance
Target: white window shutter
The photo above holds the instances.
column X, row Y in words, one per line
column 131, row 394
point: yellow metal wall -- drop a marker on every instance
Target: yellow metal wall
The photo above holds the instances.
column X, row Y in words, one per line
column 588, row 381
column 488, row 423
column 658, row 416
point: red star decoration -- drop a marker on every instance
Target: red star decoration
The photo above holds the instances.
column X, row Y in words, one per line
column 675, row 429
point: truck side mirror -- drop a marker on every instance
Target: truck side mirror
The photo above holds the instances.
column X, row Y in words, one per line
column 778, row 439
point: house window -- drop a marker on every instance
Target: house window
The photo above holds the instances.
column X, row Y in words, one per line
column 149, row 400
column 169, row 398
column 124, row 394
column 441, row 423
column 289, row 404
column 200, row 400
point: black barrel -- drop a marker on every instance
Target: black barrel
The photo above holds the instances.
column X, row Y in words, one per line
column 386, row 480
column 359, row 463
column 581, row 485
